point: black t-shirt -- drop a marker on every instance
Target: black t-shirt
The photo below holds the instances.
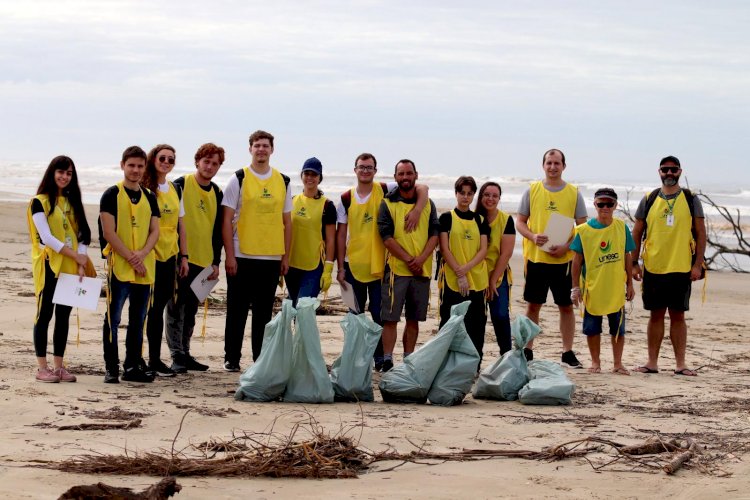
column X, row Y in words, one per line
column 108, row 202
column 446, row 221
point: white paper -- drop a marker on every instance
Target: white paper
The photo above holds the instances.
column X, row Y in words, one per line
column 558, row 230
column 348, row 297
column 71, row 292
column 201, row 285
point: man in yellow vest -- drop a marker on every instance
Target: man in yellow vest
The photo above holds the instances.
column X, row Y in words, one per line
column 675, row 233
column 257, row 233
column 602, row 249
column 550, row 269
column 129, row 218
column 409, row 262
column 202, row 201
column 360, row 252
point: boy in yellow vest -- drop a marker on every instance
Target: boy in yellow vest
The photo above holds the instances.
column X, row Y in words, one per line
column 129, row 218
column 257, row 233
column 409, row 262
column 360, row 252
column 201, row 198
column 602, row 249
column 550, row 269
column 673, row 235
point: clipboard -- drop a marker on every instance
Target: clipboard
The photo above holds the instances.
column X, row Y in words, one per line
column 201, row 285
column 558, row 230
column 74, row 293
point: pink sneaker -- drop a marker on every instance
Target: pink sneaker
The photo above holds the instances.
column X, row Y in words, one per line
column 64, row 375
column 47, row 375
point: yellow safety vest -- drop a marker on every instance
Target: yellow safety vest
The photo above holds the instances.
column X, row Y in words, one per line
column 464, row 242
column 497, row 228
column 365, row 251
column 133, row 221
column 542, row 203
column 200, row 217
column 62, row 225
column 308, row 246
column 604, row 254
column 668, row 249
column 413, row 242
column 260, row 227
column 169, row 208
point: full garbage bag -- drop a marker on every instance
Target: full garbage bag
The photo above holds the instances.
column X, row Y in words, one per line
column 266, row 379
column 549, row 385
column 308, row 380
column 351, row 373
column 506, row 376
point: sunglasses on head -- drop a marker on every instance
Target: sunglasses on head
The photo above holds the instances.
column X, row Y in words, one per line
column 605, row 204
column 168, row 159
column 669, row 170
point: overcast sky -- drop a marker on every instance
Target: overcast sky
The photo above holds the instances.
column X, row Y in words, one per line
column 470, row 87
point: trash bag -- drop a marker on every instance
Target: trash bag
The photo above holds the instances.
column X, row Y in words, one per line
column 456, row 375
column 308, row 380
column 549, row 385
column 351, row 374
column 506, row 376
column 410, row 382
column 266, row 379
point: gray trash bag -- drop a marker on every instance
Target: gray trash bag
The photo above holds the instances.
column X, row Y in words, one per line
column 506, row 376
column 549, row 385
column 410, row 382
column 456, row 375
column 308, row 381
column 266, row 379
column 351, row 374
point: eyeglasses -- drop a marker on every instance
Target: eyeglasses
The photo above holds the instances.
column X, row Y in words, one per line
column 365, row 168
column 669, row 170
column 605, row 204
column 168, row 159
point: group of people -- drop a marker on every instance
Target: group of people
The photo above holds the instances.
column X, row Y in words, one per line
column 157, row 235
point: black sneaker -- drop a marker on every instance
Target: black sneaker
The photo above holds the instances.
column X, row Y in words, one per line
column 161, row 369
column 231, row 367
column 387, row 366
column 178, row 366
column 529, row 353
column 192, row 364
column 569, row 358
column 135, row 374
column 145, row 369
column 112, row 376
column 378, row 365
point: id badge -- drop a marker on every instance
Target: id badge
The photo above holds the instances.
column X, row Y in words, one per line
column 69, row 242
column 670, row 220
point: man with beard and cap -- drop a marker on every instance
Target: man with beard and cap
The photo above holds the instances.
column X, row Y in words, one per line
column 671, row 225
column 408, row 263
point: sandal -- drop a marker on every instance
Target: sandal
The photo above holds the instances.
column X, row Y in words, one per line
column 645, row 369
column 687, row 372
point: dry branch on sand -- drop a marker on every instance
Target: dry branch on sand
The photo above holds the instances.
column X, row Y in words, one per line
column 162, row 490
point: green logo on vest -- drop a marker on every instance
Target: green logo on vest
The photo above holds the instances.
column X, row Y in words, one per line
column 265, row 194
column 367, row 218
column 552, row 207
column 605, row 246
column 467, row 235
column 201, row 206
column 301, row 212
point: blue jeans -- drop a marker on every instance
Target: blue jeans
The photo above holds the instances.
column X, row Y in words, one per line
column 138, row 296
column 500, row 315
column 592, row 325
column 300, row 283
column 362, row 290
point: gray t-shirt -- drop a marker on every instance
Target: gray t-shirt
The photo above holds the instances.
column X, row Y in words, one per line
column 640, row 212
column 524, row 208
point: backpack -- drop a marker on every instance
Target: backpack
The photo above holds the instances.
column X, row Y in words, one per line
column 346, row 196
column 241, row 176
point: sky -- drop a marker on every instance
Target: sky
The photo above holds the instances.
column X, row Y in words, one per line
column 478, row 88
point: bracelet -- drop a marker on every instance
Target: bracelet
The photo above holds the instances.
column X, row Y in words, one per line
column 575, row 288
column 184, row 256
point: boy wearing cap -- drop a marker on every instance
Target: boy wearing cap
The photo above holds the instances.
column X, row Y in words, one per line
column 602, row 249
column 257, row 234
column 313, row 236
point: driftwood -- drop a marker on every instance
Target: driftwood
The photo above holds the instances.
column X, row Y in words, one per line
column 97, row 426
column 651, row 447
column 162, row 490
column 677, row 462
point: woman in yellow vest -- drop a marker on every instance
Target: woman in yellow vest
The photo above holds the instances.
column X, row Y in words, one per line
column 313, row 236
column 60, row 236
column 602, row 249
column 463, row 246
column 500, row 247
column 170, row 249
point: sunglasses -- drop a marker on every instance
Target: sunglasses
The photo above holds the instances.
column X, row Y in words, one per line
column 669, row 170
column 605, row 204
column 168, row 159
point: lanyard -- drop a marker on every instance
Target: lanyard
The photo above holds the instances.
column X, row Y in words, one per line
column 670, row 206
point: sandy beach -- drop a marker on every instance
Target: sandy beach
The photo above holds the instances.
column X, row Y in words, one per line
column 713, row 408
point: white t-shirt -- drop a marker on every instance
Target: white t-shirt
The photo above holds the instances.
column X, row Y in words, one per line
column 233, row 199
column 341, row 214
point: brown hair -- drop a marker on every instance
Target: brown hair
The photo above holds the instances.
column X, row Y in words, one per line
column 149, row 179
column 465, row 180
column 544, row 158
column 209, row 149
column 480, row 208
column 260, row 134
column 366, row 156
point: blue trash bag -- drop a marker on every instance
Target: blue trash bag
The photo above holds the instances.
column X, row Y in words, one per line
column 410, row 382
column 505, row 377
column 351, row 374
column 456, row 375
column 308, row 380
column 266, row 379
column 549, row 385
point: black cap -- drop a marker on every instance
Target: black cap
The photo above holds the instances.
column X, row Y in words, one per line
column 606, row 193
column 669, row 159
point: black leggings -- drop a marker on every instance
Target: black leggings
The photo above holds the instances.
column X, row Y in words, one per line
column 46, row 307
column 164, row 286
